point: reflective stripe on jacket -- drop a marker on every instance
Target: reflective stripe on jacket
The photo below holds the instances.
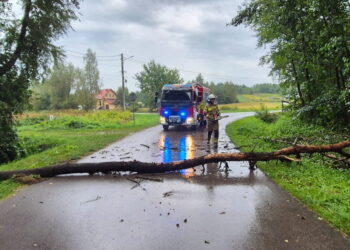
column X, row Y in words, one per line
column 212, row 111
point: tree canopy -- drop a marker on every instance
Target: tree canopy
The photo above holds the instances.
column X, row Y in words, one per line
column 152, row 78
column 88, row 83
column 309, row 53
column 26, row 49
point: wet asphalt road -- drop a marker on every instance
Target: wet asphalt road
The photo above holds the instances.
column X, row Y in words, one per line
column 210, row 209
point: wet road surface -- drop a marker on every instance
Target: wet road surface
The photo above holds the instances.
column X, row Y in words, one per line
column 210, row 209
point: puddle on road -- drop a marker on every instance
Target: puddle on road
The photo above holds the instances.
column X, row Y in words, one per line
column 156, row 145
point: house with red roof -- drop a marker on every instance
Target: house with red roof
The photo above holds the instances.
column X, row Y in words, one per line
column 105, row 99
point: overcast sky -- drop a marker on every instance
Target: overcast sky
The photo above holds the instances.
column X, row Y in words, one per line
column 189, row 35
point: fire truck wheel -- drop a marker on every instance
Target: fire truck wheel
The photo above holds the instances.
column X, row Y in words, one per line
column 165, row 127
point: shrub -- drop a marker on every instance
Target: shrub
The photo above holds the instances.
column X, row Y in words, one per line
column 9, row 146
column 32, row 145
column 75, row 124
column 265, row 115
column 332, row 110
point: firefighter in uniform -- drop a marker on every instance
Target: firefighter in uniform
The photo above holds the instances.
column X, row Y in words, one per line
column 212, row 114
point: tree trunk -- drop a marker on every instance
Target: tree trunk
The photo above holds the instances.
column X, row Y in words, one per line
column 20, row 41
column 337, row 78
column 152, row 167
column 298, row 84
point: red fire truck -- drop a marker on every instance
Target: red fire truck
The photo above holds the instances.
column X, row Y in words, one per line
column 183, row 105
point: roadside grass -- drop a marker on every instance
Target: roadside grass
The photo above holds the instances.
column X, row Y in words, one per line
column 69, row 143
column 249, row 106
column 315, row 182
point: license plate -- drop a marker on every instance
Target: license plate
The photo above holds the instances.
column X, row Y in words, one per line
column 174, row 118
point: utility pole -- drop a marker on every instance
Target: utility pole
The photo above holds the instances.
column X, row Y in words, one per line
column 123, row 81
column 122, row 59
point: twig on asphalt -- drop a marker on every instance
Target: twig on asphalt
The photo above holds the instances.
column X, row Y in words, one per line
column 96, row 199
column 138, row 184
column 149, row 178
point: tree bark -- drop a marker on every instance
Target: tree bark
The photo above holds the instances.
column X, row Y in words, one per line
column 298, row 84
column 20, row 41
column 337, row 77
column 152, row 167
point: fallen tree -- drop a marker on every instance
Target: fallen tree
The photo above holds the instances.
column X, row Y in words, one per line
column 153, row 167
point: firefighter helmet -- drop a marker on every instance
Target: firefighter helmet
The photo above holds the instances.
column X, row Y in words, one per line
column 211, row 96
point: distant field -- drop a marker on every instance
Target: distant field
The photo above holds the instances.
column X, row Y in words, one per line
column 260, row 97
column 253, row 103
column 249, row 106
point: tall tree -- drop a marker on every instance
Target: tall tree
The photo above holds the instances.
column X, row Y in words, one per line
column 61, row 82
column 26, row 49
column 56, row 92
column 310, row 50
column 225, row 92
column 89, row 82
column 119, row 93
column 153, row 77
column 199, row 79
column 41, row 96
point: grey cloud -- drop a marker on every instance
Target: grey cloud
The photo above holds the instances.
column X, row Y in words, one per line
column 140, row 11
column 136, row 28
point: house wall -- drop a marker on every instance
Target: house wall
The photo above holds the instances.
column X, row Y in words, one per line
column 102, row 104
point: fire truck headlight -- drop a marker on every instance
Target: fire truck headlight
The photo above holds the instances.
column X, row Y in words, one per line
column 189, row 120
column 183, row 114
column 162, row 119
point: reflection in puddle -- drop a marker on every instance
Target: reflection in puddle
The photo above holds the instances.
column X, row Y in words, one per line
column 187, row 173
column 166, row 149
column 178, row 149
column 180, row 146
column 184, row 147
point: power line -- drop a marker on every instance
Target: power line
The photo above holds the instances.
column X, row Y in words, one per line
column 204, row 73
column 100, row 61
column 114, row 58
column 80, row 53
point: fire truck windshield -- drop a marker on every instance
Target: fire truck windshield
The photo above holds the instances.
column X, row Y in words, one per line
column 176, row 96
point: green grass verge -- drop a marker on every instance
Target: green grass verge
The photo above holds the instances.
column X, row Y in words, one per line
column 70, row 144
column 323, row 189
